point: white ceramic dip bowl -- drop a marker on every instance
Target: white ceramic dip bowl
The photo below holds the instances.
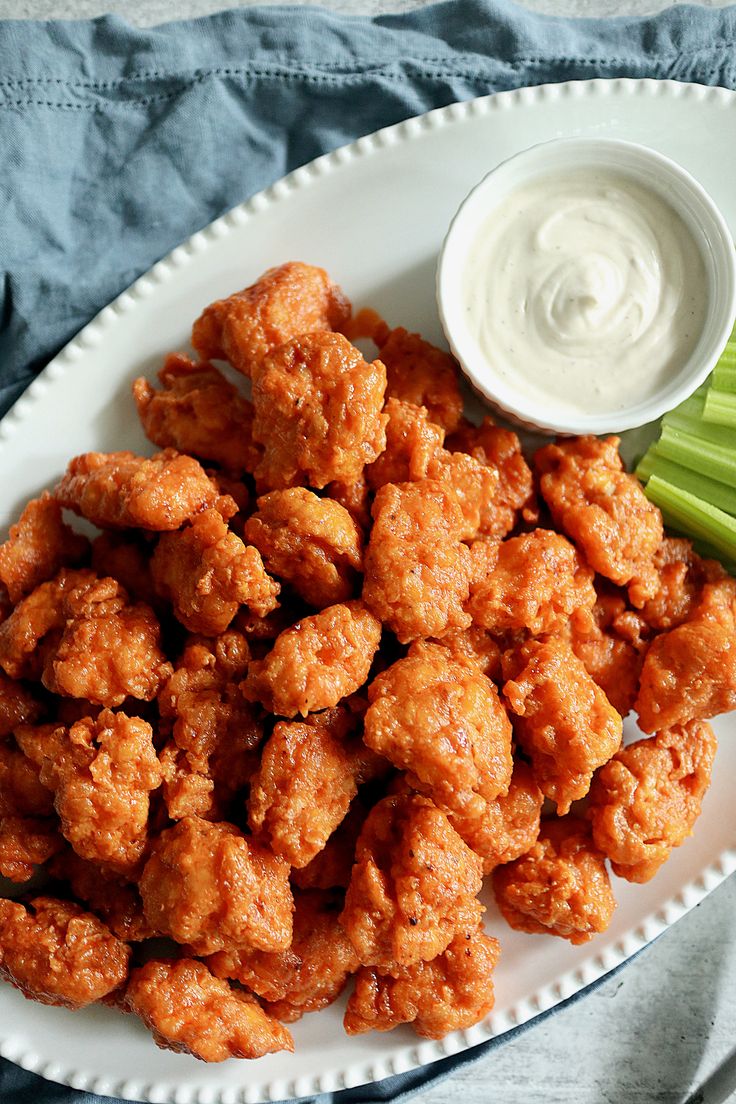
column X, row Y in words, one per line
column 645, row 168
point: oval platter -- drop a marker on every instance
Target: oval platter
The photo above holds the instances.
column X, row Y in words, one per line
column 373, row 214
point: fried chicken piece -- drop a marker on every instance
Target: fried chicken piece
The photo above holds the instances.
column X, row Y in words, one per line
column 310, row 975
column 559, row 887
column 514, row 497
column 422, row 374
column 109, row 896
column 199, row 412
column 645, row 801
column 39, row 544
column 332, row 867
column 507, row 827
column 538, row 581
column 602, row 639
column 354, row 496
column 39, row 615
column 603, row 510
column 209, row 886
column 190, row 1011
column 17, row 705
column 413, row 886
column 317, row 662
column 474, row 646
column 126, row 557
column 21, row 790
column 417, row 571
column 25, row 843
column 214, row 729
column 119, row 490
column 452, row 991
column 311, row 543
column 682, row 575
column 318, row 412
column 444, row 722
column 207, row 573
column 284, row 303
column 308, row 776
column 109, row 650
column 101, row 772
column 412, row 440
column 57, row 953
column 564, row 722
column 689, row 673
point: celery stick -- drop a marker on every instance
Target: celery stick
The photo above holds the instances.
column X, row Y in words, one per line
column 687, row 421
column 694, row 517
column 720, row 407
column 724, row 377
column 700, row 455
column 718, row 494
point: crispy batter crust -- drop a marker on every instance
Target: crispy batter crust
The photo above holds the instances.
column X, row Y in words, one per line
column 39, row 544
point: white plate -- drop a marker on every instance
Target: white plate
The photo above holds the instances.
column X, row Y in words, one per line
column 374, row 215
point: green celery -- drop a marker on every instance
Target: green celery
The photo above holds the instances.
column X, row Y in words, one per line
column 718, row 494
column 688, row 418
column 724, row 377
column 720, row 407
column 700, row 455
column 694, row 517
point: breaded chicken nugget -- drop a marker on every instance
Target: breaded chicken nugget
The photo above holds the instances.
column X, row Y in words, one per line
column 317, row 662
column 682, row 575
column 215, row 732
column 318, row 412
column 503, row 829
column 514, row 498
column 190, row 1011
column 25, row 843
column 444, row 722
column 412, row 440
column 603, row 510
column 333, row 865
column 475, row 646
column 207, row 573
column 452, row 991
column 108, row 650
column 199, row 412
column 311, row 543
column 354, row 496
column 126, row 557
column 602, row 639
column 422, row 374
column 38, row 616
column 413, row 886
column 301, row 793
column 119, row 490
column 307, row 977
column 17, row 705
column 689, row 673
column 39, row 544
column 287, row 301
column 645, row 801
column 109, row 896
column 560, row 887
column 101, row 773
column 417, row 571
column 57, row 953
column 564, row 722
column 21, row 790
column 209, row 886
column 537, row 582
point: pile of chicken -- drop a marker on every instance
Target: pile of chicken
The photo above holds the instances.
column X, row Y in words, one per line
column 330, row 652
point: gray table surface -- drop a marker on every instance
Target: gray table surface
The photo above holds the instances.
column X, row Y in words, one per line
column 651, row 1033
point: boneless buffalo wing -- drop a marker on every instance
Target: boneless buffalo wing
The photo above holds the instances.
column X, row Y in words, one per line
column 319, row 666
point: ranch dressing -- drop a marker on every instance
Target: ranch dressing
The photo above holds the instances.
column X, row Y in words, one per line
column 585, row 290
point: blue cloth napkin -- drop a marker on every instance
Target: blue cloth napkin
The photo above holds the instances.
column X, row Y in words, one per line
column 117, row 144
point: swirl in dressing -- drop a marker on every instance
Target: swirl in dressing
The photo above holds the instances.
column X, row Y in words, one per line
column 586, row 291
